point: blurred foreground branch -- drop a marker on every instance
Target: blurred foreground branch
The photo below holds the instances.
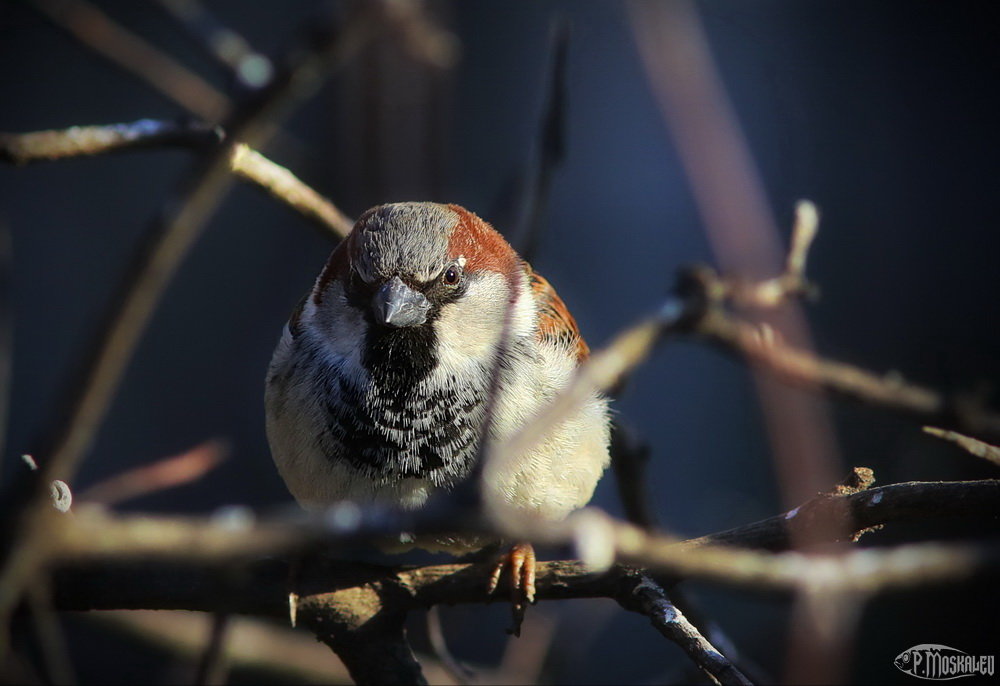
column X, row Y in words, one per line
column 106, row 561
column 702, row 307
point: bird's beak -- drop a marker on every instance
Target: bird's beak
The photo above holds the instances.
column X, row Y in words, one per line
column 396, row 304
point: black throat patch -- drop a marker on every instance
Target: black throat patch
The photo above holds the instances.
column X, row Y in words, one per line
column 397, row 425
column 399, row 358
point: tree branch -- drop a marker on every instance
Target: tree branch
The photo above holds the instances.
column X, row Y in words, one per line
column 647, row 598
column 92, row 535
column 244, row 162
column 970, row 445
column 864, row 510
column 97, row 32
column 128, row 562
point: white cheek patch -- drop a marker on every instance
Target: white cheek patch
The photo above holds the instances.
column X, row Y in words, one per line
column 469, row 328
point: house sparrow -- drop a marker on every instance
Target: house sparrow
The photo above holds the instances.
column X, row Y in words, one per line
column 379, row 386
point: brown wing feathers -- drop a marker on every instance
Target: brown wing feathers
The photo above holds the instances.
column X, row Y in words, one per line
column 555, row 323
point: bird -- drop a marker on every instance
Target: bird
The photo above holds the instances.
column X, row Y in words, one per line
column 424, row 335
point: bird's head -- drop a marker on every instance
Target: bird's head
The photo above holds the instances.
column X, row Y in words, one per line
column 429, row 271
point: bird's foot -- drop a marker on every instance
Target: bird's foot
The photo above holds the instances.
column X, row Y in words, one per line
column 520, row 562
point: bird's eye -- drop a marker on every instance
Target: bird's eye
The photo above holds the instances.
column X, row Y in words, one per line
column 451, row 276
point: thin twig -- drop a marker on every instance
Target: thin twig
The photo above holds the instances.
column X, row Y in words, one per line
column 226, row 46
column 647, row 598
column 792, row 282
column 254, row 644
column 283, row 185
column 699, row 309
column 131, row 53
column 263, row 646
column 51, row 640
column 166, row 473
column 551, row 146
column 682, row 599
column 802, row 368
column 435, row 634
column 970, row 445
column 629, row 459
column 88, row 141
column 865, row 509
column 247, row 164
column 212, row 664
column 423, row 38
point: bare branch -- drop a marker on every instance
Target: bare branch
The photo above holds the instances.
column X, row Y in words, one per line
column 131, row 53
column 357, row 609
column 364, row 626
column 166, row 473
column 629, row 459
column 52, row 645
column 790, row 283
column 551, row 144
column 95, row 535
column 435, row 634
column 247, row 164
column 293, row 656
column 708, row 320
column 114, row 583
column 423, row 38
column 222, row 43
column 212, row 663
column 971, row 445
column 117, row 562
column 864, row 509
column 284, row 186
column 647, row 598
column 87, row 141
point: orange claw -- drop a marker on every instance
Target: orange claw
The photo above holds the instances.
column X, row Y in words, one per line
column 520, row 561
